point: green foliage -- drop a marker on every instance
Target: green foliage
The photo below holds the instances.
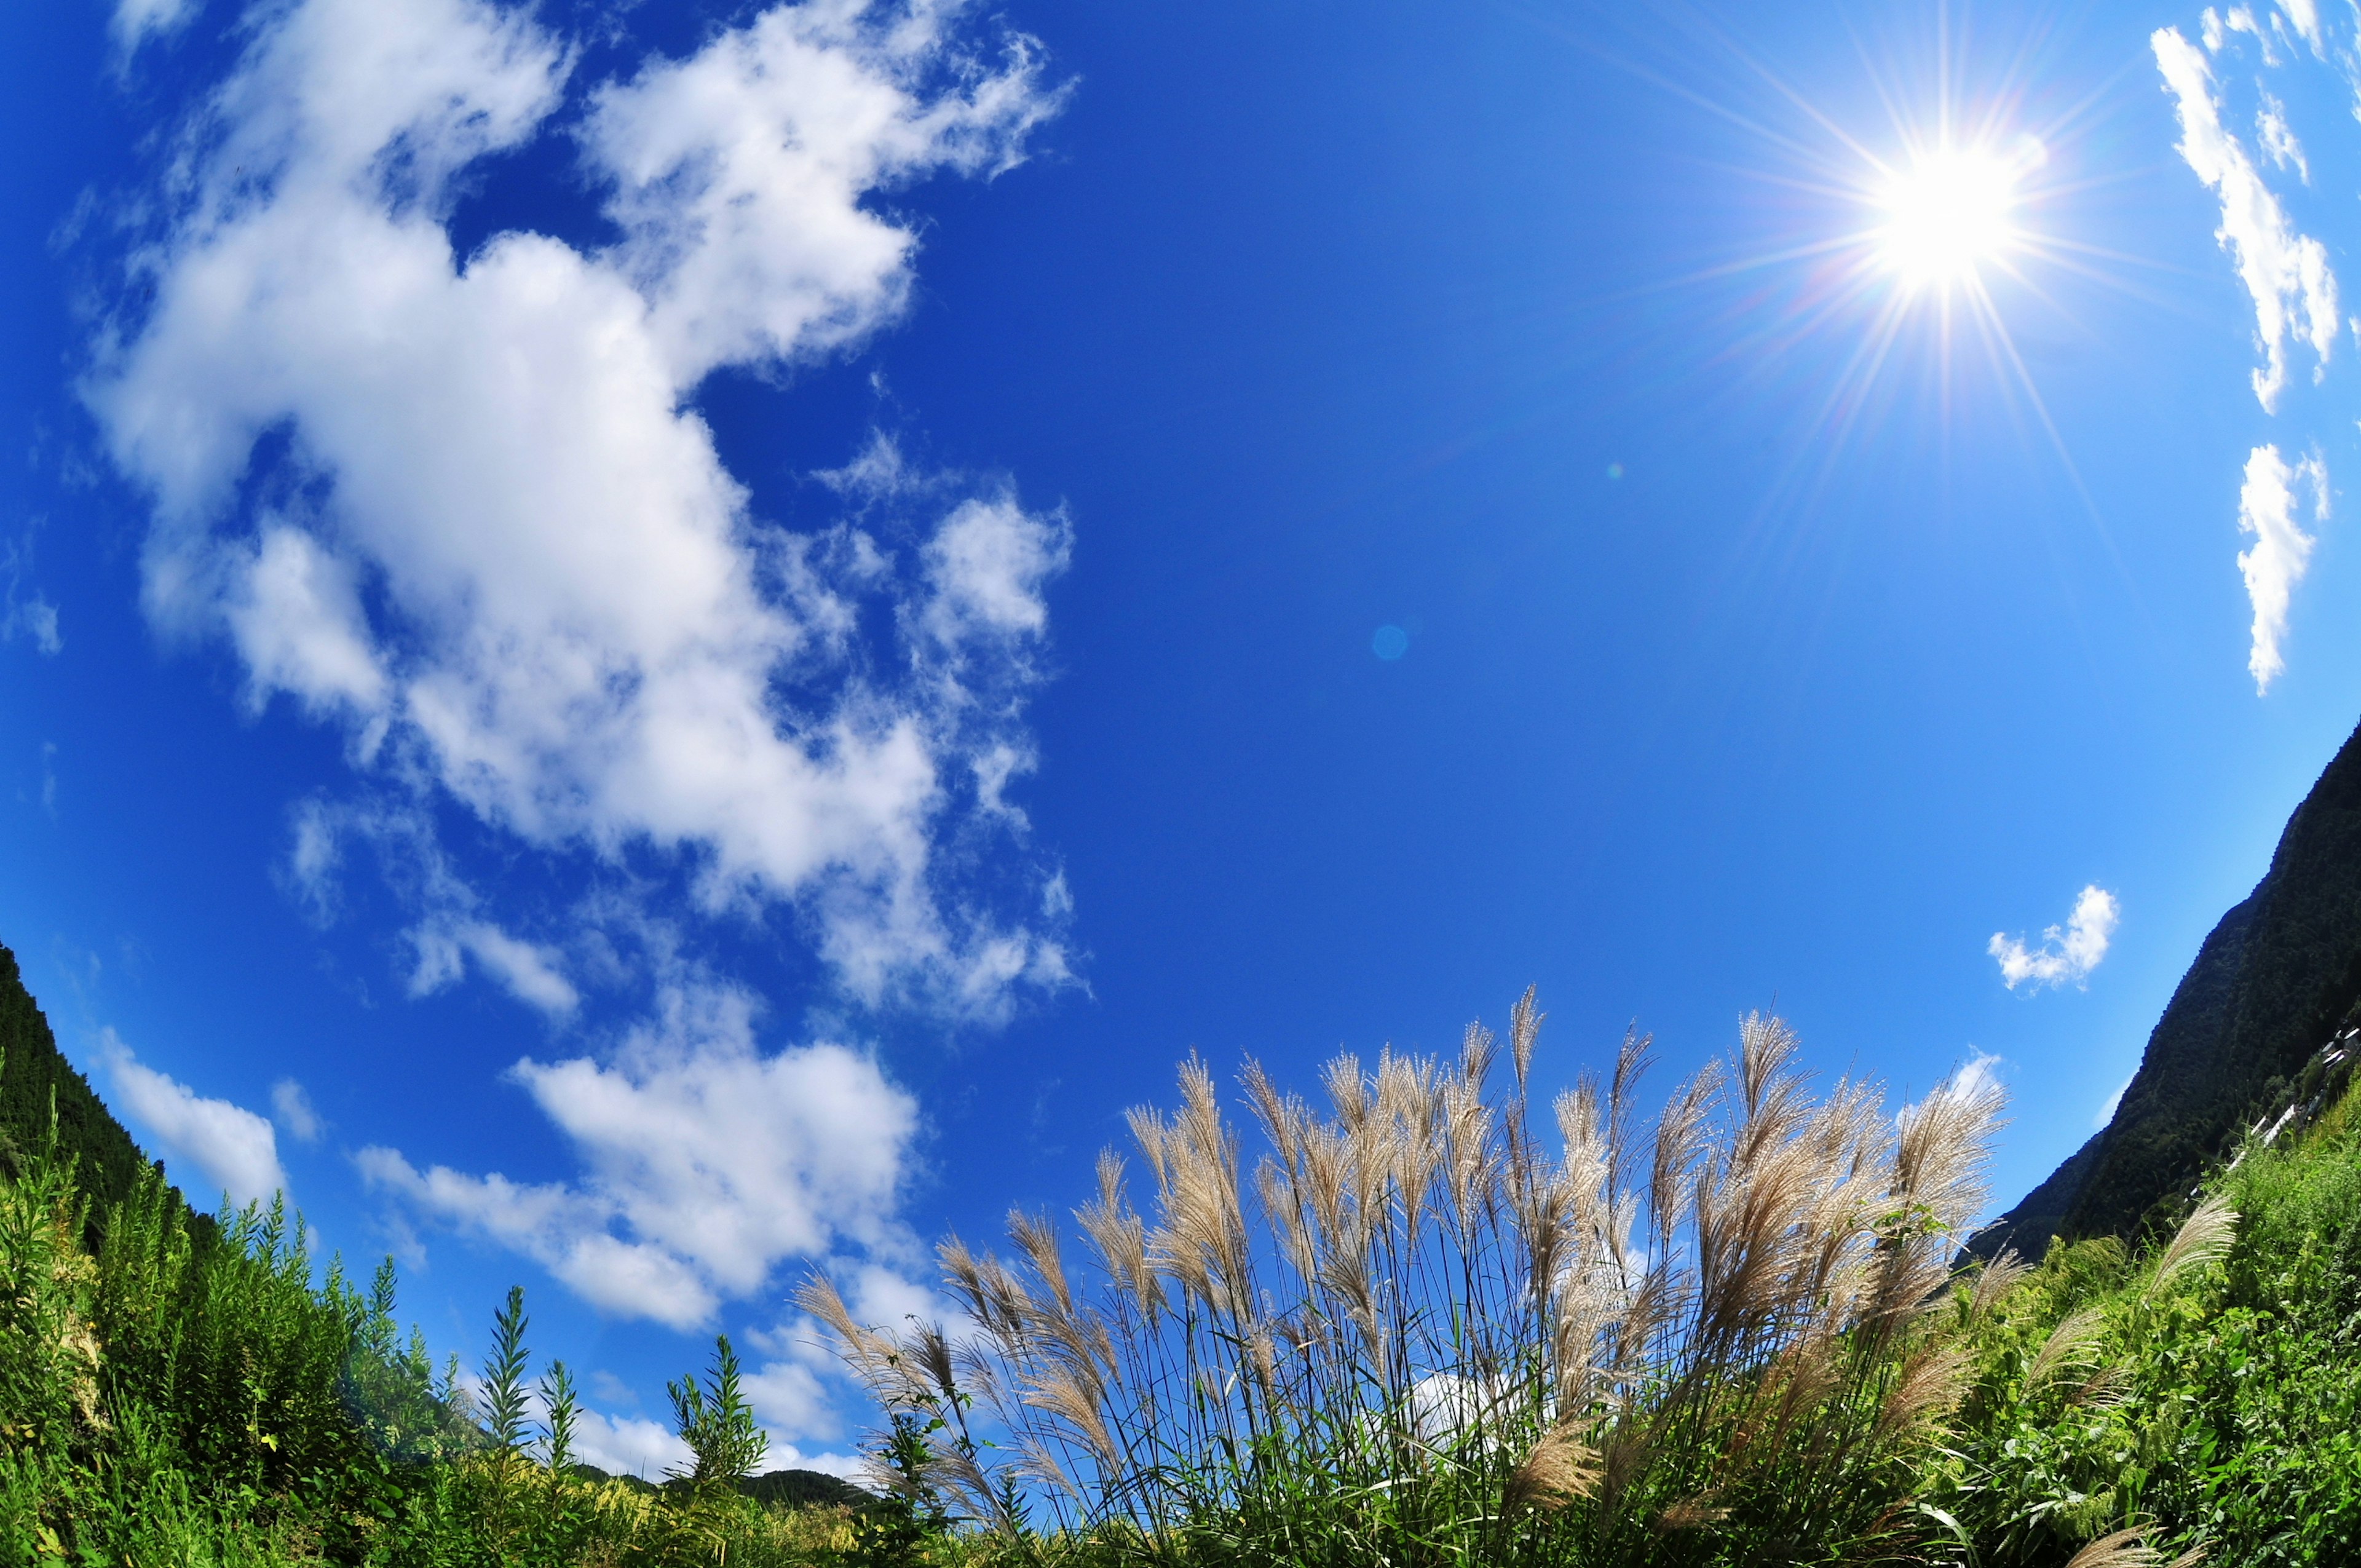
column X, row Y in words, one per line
column 2207, row 1396
column 193, row 1395
column 503, row 1399
column 716, row 1422
column 562, row 1408
column 896, row 1530
column 41, row 1094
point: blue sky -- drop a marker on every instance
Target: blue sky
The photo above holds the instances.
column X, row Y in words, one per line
column 651, row 647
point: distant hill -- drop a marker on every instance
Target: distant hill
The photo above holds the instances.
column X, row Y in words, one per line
column 32, row 1070
column 780, row 1488
column 2278, row 976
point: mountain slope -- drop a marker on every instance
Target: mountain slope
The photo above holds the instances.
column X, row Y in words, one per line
column 2275, row 979
column 33, row 1075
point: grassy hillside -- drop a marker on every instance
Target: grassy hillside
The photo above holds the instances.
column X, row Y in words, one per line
column 2276, row 978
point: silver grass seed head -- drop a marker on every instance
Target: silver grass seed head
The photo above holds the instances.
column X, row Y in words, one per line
column 1524, row 1029
column 2122, row 1549
column 2203, row 1237
column 1561, row 1468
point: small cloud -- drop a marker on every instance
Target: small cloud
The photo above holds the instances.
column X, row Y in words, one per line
column 2266, row 509
column 292, row 1109
column 2304, row 18
column 49, row 777
column 1973, row 1082
column 529, row 973
column 2068, row 953
column 32, row 617
column 134, row 21
column 36, row 618
column 2107, row 1112
column 234, row 1148
column 2278, row 140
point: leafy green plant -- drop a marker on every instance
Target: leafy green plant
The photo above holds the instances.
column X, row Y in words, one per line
column 716, row 1424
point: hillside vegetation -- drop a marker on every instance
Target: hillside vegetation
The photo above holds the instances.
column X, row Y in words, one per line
column 36, row 1084
column 1431, row 1324
column 2279, row 975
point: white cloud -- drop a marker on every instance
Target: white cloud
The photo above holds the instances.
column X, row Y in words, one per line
column 295, row 615
column 2271, row 131
column 707, row 1163
column 2068, row 954
column 2303, row 16
column 233, row 1147
column 1974, row 1080
column 629, row 1445
column 30, row 616
column 523, row 577
column 451, row 930
column 2285, row 273
column 136, row 20
column 291, row 1107
column 530, row 972
column 35, row 618
column 2107, row 1112
column 2266, row 509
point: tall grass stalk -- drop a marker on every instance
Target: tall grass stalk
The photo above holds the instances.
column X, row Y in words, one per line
column 1419, row 1327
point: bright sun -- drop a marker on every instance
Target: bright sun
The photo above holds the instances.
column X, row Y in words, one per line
column 1945, row 213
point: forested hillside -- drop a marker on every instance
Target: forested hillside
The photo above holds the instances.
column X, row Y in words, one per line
column 2278, row 977
column 35, row 1078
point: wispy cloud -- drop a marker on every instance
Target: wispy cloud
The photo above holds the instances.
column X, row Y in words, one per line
column 2106, row 1111
column 2281, row 552
column 24, row 613
column 2277, row 142
column 2304, row 18
column 2285, row 273
column 136, row 21
column 232, row 1147
column 290, row 1107
column 2068, row 953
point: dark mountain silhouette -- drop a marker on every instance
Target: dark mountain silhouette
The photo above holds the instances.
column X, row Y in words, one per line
column 2277, row 980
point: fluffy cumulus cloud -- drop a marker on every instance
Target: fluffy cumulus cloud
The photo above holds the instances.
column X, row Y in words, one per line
column 2267, row 507
column 708, row 1162
column 232, row 1147
column 463, row 507
column 2068, row 953
column 2285, row 273
column 458, row 506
